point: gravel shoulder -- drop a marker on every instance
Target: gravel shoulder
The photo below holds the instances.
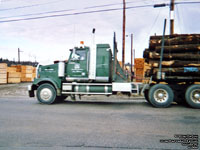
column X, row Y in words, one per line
column 14, row 90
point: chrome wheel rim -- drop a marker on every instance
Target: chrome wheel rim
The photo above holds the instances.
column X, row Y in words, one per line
column 46, row 94
column 161, row 95
column 195, row 96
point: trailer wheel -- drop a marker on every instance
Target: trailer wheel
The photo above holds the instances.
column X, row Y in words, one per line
column 161, row 96
column 192, row 96
column 46, row 94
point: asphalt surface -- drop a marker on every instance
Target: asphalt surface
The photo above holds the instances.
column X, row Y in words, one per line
column 93, row 124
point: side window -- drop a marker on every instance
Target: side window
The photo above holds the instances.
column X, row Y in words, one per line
column 81, row 54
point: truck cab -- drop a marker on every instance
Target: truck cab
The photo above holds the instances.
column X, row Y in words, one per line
column 88, row 71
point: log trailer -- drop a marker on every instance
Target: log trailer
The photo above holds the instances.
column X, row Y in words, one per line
column 174, row 67
column 96, row 71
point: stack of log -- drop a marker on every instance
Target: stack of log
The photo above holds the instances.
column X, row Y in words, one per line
column 181, row 55
column 139, row 69
column 3, row 73
column 146, row 68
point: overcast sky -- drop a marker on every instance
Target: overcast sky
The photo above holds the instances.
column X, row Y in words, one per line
column 50, row 39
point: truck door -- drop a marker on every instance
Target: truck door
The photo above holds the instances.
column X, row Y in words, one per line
column 78, row 64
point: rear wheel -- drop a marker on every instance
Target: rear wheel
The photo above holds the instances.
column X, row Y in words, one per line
column 46, row 93
column 161, row 96
column 192, row 96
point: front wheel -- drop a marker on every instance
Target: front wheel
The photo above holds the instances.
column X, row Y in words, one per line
column 192, row 96
column 161, row 96
column 46, row 94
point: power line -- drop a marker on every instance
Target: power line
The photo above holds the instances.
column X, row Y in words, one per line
column 188, row 2
column 40, row 4
column 87, row 12
column 76, row 13
column 42, row 13
column 179, row 20
column 155, row 21
column 113, row 4
column 65, row 10
column 28, row 6
column 10, row 0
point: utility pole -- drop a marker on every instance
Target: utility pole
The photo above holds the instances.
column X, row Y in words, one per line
column 19, row 55
column 131, row 57
column 171, row 7
column 172, row 17
column 123, row 34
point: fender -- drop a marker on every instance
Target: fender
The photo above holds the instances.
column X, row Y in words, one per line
column 38, row 82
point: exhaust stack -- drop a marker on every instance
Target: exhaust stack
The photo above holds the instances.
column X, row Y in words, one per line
column 93, row 57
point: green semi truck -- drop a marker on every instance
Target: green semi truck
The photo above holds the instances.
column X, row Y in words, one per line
column 96, row 71
column 88, row 71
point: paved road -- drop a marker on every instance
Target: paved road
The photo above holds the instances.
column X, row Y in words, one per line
column 124, row 124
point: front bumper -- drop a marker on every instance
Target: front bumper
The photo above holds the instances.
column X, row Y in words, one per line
column 31, row 91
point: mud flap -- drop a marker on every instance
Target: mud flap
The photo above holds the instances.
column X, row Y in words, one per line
column 31, row 94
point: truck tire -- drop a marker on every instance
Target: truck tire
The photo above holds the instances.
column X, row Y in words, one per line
column 192, row 96
column 161, row 95
column 46, row 94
